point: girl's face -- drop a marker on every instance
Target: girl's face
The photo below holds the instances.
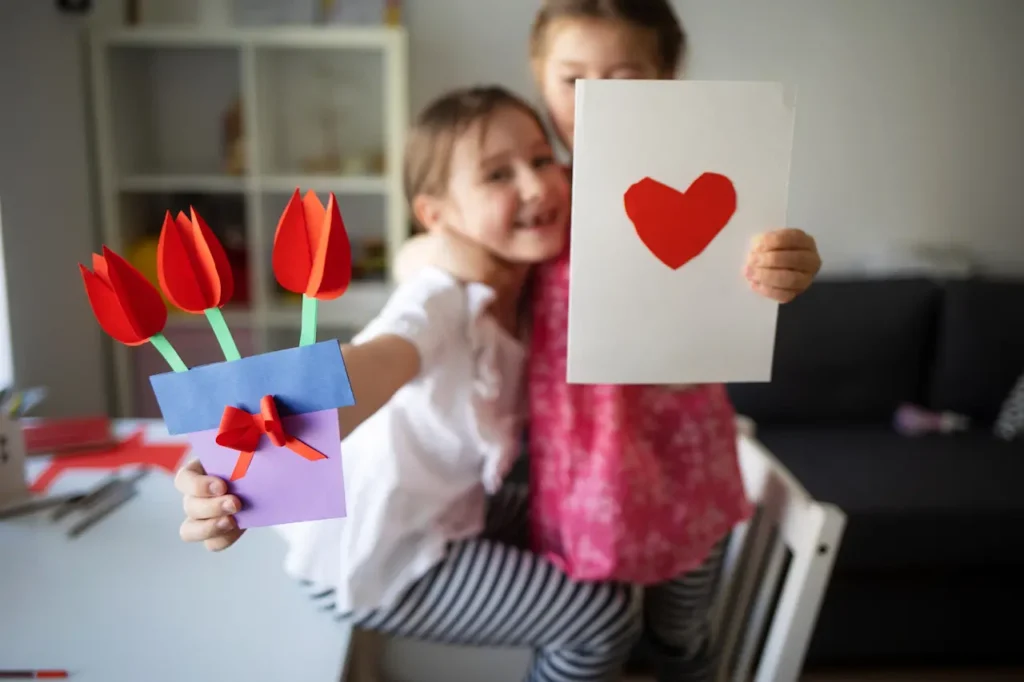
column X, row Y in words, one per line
column 589, row 48
column 505, row 193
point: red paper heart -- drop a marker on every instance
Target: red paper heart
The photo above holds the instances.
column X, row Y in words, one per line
column 677, row 226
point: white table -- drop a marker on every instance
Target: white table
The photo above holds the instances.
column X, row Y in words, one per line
column 129, row 601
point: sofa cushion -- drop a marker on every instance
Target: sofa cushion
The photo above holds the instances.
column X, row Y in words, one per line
column 912, row 502
column 921, row 619
column 980, row 351
column 1010, row 423
column 847, row 351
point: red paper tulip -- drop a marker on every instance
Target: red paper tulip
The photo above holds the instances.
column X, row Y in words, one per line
column 191, row 265
column 125, row 304
column 312, row 254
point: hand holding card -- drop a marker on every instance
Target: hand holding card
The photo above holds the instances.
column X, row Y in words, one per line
column 266, row 423
column 782, row 264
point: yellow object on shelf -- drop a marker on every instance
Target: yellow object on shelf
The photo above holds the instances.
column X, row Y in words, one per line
column 142, row 255
column 393, row 13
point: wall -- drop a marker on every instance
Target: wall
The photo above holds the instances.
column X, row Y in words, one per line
column 908, row 134
column 6, row 358
column 909, row 112
column 44, row 189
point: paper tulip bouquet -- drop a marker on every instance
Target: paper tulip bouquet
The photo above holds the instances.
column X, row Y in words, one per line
column 267, row 423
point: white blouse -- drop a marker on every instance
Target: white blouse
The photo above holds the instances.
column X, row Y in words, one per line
column 416, row 471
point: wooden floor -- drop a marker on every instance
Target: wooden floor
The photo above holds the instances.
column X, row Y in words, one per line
column 903, row 676
column 918, row 676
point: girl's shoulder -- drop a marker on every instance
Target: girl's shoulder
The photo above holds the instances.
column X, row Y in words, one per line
column 428, row 288
column 432, row 309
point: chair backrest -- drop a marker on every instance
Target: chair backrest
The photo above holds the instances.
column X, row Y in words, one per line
column 776, row 570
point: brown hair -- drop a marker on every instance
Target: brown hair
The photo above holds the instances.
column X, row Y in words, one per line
column 434, row 134
column 656, row 16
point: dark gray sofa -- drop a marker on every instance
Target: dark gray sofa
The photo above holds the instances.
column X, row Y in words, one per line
column 930, row 569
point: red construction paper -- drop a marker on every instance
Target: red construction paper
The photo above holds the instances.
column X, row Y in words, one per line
column 131, row 451
column 312, row 254
column 125, row 304
column 72, row 433
column 242, row 431
column 677, row 226
column 192, row 267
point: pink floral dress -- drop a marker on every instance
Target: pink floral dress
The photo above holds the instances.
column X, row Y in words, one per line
column 630, row 483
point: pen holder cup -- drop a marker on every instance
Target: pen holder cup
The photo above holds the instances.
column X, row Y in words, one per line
column 13, row 486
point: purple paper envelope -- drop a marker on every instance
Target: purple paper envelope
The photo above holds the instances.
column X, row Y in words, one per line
column 308, row 384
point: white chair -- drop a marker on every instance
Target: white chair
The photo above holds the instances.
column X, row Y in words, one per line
column 776, row 570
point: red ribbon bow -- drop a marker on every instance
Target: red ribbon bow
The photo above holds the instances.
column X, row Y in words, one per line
column 241, row 430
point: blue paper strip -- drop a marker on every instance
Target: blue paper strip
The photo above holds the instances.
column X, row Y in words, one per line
column 303, row 379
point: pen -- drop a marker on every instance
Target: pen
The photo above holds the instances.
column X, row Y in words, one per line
column 30, row 398
column 33, row 674
column 30, row 506
column 15, row 404
column 88, row 500
column 123, row 492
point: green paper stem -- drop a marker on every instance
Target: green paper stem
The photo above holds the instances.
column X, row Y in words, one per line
column 309, row 306
column 161, row 343
column 223, row 334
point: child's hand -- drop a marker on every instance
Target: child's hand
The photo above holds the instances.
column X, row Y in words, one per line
column 208, row 508
column 782, row 264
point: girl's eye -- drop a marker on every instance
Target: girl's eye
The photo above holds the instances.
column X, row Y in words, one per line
column 570, row 80
column 499, row 174
column 543, row 161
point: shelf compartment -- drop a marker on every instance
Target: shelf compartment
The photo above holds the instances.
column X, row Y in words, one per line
column 324, row 183
column 364, row 216
column 320, row 112
column 280, row 339
column 356, row 308
column 166, row 121
column 298, row 37
column 196, row 346
column 179, row 183
column 142, row 216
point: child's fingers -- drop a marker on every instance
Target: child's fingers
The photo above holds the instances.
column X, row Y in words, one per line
column 788, row 238
column 191, row 479
column 201, row 508
column 201, row 530
column 790, row 280
column 222, row 542
column 801, row 261
column 780, row 295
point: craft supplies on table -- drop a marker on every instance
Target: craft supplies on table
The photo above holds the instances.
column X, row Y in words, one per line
column 126, row 462
column 87, row 507
column 47, row 436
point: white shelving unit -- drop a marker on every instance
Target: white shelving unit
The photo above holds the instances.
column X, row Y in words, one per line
column 322, row 108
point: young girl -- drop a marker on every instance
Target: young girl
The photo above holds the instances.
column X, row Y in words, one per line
column 671, row 451
column 437, row 378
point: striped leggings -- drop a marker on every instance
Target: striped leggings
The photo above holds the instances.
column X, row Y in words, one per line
column 491, row 591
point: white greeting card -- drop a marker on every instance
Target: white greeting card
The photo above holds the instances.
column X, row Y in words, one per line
column 672, row 180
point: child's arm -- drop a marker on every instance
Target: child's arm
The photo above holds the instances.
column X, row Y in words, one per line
column 404, row 337
column 376, row 370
